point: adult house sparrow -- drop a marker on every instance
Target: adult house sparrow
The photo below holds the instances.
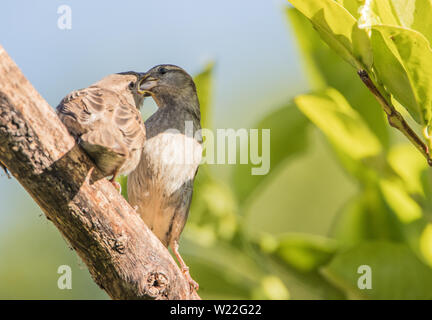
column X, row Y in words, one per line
column 105, row 120
column 161, row 186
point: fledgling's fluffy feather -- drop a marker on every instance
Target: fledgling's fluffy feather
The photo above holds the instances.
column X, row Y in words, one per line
column 105, row 120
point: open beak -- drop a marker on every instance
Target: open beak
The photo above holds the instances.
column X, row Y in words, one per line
column 145, row 84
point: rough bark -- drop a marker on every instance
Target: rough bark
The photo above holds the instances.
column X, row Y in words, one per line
column 122, row 254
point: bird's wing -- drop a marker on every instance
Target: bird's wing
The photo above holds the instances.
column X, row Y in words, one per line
column 105, row 125
column 82, row 110
column 128, row 120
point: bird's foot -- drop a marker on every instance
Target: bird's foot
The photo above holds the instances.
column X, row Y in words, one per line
column 89, row 177
column 194, row 286
column 184, row 268
column 116, row 185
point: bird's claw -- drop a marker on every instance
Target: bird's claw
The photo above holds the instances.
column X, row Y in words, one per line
column 116, row 185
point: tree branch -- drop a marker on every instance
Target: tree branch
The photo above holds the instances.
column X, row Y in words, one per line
column 395, row 119
column 123, row 256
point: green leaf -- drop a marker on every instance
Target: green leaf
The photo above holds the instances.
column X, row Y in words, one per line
column 288, row 129
column 326, row 69
column 221, row 266
column 415, row 15
column 336, row 26
column 351, row 5
column 271, row 288
column 409, row 165
column 404, row 13
column 214, row 210
column 362, row 47
column 366, row 217
column 425, row 244
column 303, row 252
column 342, row 125
column 355, row 222
column 403, row 61
column 406, row 209
column 377, row 12
column 204, row 84
column 396, row 272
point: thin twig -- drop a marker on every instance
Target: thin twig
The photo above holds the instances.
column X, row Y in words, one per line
column 395, row 119
column 5, row 169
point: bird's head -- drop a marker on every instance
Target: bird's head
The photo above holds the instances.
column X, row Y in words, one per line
column 168, row 84
column 124, row 83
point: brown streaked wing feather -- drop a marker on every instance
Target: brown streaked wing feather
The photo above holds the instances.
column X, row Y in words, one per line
column 90, row 115
column 128, row 120
column 80, row 109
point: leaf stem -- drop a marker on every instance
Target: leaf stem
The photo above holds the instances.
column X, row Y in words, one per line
column 395, row 119
column 427, row 136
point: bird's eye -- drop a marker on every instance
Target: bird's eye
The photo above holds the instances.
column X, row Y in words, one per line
column 163, row 70
column 131, row 85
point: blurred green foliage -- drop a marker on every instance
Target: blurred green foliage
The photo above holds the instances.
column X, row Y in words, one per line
column 342, row 192
column 387, row 224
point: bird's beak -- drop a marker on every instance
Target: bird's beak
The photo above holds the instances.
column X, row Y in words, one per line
column 146, row 83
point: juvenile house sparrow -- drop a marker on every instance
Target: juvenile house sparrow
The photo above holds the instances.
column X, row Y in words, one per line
column 161, row 186
column 105, row 120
